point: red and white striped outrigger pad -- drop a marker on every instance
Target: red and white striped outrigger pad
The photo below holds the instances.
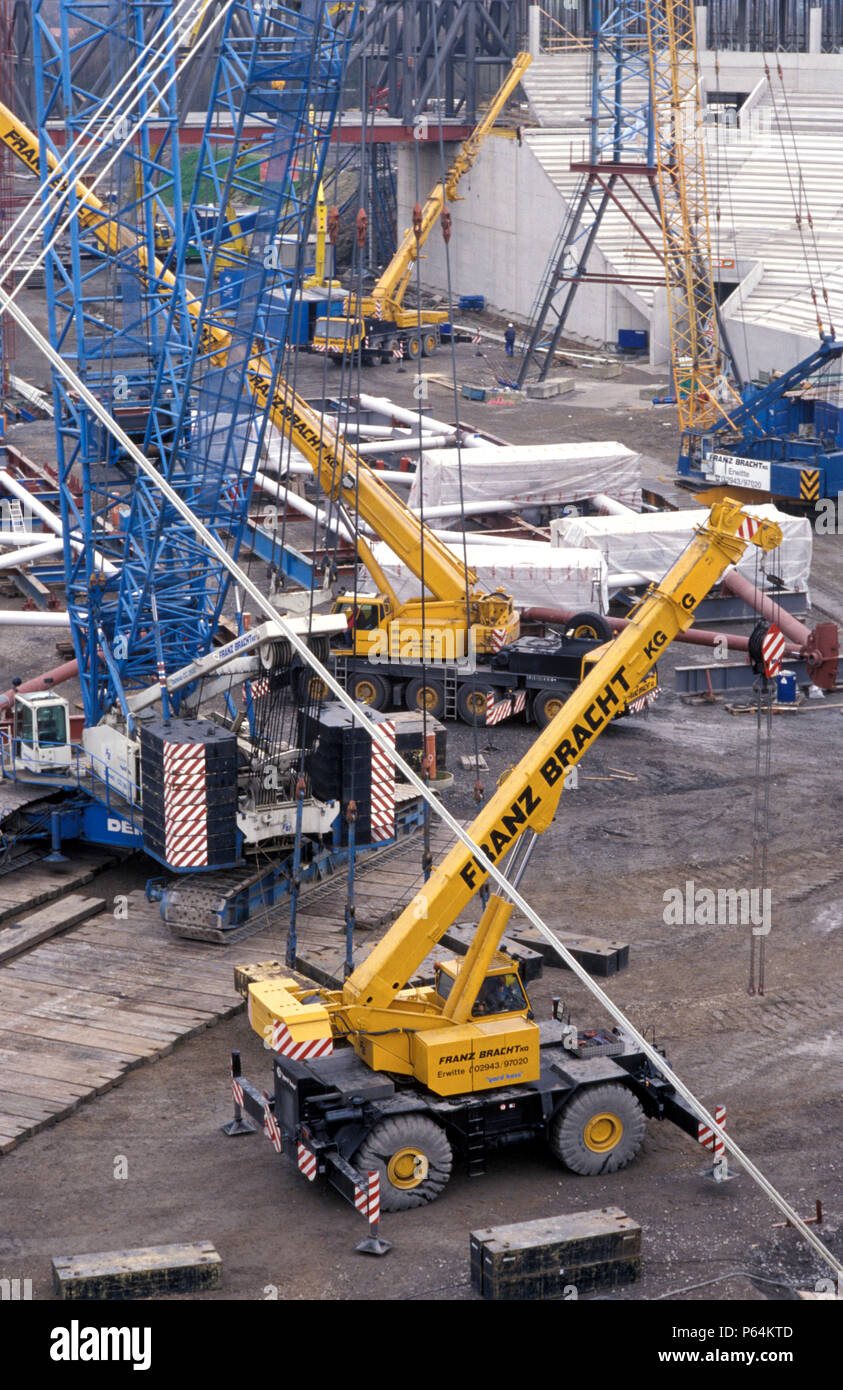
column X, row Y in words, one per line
column 706, row 1135
column 367, row 1200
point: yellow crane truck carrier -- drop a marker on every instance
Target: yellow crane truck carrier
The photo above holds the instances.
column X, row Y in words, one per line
column 382, row 1077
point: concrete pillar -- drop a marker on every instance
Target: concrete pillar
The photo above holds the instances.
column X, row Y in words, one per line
column 701, row 27
column 534, row 30
column 815, row 29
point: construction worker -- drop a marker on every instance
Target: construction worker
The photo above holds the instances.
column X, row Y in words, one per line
column 509, row 339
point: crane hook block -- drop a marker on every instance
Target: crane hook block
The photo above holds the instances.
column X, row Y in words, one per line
column 362, row 224
column 417, row 221
column 446, row 225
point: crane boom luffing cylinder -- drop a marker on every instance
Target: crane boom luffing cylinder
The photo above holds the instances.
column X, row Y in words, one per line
column 432, row 1033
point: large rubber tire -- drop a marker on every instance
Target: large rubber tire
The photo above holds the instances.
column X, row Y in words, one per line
column 547, row 704
column 429, row 342
column 412, row 346
column 471, row 704
column 599, row 1131
column 310, row 688
column 370, row 690
column 426, row 695
column 412, row 1157
column 592, row 625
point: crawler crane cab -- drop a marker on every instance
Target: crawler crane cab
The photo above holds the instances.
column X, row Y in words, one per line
column 42, row 732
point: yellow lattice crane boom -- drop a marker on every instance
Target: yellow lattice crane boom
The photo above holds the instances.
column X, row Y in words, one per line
column 695, row 349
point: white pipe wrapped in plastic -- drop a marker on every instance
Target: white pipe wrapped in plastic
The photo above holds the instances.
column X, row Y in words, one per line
column 47, row 516
column 610, row 506
column 499, row 504
column 395, row 446
column 27, row 554
column 11, row 617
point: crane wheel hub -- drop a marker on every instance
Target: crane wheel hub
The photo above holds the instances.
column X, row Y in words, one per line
column 407, row 1167
column 603, row 1132
column 365, row 692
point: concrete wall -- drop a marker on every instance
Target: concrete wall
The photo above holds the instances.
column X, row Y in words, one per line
column 803, row 72
column 503, row 231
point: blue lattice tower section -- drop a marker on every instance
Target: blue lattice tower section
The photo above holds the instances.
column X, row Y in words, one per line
column 279, row 73
column 619, row 165
column 109, row 299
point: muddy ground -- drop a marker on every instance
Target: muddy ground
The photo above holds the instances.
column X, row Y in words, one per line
column 616, row 849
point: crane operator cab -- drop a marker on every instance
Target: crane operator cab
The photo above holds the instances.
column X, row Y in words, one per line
column 500, row 993
column 42, row 732
column 365, row 614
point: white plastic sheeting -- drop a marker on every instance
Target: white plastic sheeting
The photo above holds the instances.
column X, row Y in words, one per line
column 534, row 573
column 531, row 474
column 649, row 544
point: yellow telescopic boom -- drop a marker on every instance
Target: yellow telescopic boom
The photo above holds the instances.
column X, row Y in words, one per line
column 528, row 799
column 390, row 288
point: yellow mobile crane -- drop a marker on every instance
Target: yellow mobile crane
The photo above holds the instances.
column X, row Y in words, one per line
column 379, row 1076
column 448, row 654
column 378, row 324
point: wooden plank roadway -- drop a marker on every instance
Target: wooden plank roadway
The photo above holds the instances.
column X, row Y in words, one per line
column 80, row 1010
column 30, row 887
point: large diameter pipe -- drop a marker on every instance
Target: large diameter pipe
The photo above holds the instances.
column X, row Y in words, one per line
column 47, row 516
column 13, row 617
column 13, row 559
column 386, row 475
column 819, row 646
column 45, row 682
column 610, row 506
column 693, row 636
column 18, row 538
column 396, row 446
column 739, row 585
column 381, row 406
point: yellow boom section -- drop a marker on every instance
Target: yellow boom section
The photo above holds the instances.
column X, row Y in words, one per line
column 390, row 288
column 342, row 474
column 530, row 795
